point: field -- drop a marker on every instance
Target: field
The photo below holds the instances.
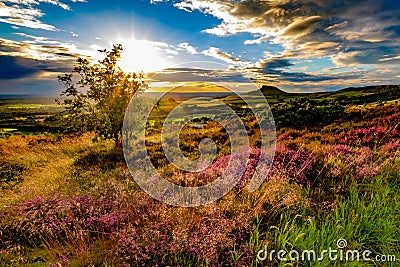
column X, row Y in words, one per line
column 67, row 200
column 27, row 114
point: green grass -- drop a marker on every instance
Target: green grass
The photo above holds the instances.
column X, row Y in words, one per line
column 368, row 219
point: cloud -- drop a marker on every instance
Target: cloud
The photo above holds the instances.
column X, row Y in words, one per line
column 300, row 26
column 339, row 26
column 188, row 48
column 184, row 74
column 37, row 2
column 273, row 66
column 216, row 53
column 40, row 48
column 23, row 16
column 36, row 58
column 281, row 71
column 20, row 67
column 19, row 75
column 358, row 41
column 36, row 39
column 14, row 67
column 26, row 14
column 390, row 58
column 381, row 54
column 32, row 66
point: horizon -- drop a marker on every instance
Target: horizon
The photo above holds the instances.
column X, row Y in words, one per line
column 173, row 91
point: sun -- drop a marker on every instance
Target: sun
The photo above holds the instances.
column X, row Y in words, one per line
column 141, row 55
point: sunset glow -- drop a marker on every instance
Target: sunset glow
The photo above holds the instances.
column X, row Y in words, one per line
column 140, row 55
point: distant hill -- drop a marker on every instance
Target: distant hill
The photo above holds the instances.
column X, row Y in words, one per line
column 374, row 89
column 370, row 89
column 271, row 93
column 272, row 90
column 350, row 95
column 367, row 94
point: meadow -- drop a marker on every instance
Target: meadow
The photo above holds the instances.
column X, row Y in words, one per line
column 69, row 200
column 29, row 115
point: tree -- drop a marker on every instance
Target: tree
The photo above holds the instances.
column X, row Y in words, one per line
column 99, row 93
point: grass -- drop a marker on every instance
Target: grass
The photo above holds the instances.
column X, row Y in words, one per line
column 68, row 201
column 46, row 162
column 366, row 223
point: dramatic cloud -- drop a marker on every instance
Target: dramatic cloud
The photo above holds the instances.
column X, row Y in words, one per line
column 14, row 67
column 360, row 37
column 188, row 48
column 184, row 74
column 32, row 66
column 280, row 72
column 40, row 48
column 25, row 13
column 340, row 24
column 274, row 66
column 36, row 58
column 293, row 44
column 300, row 26
column 20, row 67
column 37, row 2
column 216, row 53
column 23, row 16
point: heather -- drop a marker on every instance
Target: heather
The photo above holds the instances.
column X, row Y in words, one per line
column 69, row 201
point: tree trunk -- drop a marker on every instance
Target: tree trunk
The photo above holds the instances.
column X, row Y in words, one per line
column 117, row 141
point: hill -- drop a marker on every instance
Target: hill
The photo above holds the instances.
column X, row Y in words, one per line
column 272, row 90
column 350, row 95
column 367, row 94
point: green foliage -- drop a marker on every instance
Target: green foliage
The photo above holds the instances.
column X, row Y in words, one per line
column 367, row 218
column 304, row 112
column 97, row 98
column 29, row 115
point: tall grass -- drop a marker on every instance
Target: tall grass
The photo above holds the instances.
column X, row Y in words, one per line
column 368, row 219
column 72, row 202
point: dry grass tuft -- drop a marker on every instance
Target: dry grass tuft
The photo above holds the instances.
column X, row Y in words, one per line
column 46, row 162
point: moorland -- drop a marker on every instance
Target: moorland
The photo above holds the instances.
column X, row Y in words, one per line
column 69, row 200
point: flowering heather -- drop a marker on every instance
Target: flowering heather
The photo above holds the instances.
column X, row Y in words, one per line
column 390, row 147
column 119, row 225
column 220, row 165
column 306, row 167
column 359, row 163
column 144, row 246
column 56, row 216
column 364, row 136
column 339, row 150
column 296, row 163
column 203, row 239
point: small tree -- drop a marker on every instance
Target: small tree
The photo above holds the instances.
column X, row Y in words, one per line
column 98, row 94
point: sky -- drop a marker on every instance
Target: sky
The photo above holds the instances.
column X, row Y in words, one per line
column 298, row 46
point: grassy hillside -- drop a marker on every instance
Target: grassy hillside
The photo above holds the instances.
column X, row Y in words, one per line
column 68, row 201
column 359, row 95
